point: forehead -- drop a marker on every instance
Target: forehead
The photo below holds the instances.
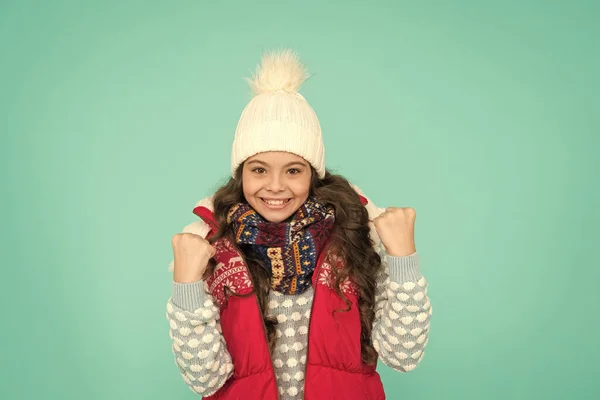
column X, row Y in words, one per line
column 276, row 158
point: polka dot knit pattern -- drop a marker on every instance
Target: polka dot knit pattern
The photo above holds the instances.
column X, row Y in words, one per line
column 400, row 329
column 199, row 348
column 289, row 356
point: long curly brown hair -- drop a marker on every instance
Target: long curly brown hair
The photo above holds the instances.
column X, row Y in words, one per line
column 350, row 240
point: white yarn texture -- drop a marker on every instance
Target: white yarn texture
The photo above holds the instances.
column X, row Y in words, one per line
column 278, row 118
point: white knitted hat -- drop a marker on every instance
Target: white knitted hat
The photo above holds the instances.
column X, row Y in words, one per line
column 278, row 118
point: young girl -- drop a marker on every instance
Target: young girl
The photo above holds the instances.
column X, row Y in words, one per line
column 292, row 284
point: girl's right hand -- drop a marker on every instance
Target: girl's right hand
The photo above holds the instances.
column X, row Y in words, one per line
column 191, row 256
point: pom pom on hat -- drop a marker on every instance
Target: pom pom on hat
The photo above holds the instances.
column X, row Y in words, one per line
column 280, row 71
column 278, row 118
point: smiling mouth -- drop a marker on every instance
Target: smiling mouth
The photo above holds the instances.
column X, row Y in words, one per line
column 275, row 203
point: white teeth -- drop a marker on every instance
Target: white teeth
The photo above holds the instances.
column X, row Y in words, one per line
column 275, row 202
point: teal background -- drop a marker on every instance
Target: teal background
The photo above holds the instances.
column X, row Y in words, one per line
column 483, row 116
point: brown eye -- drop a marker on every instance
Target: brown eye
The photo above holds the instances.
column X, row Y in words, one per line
column 259, row 170
column 294, row 171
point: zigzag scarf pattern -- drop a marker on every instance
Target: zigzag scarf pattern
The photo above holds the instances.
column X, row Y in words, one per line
column 289, row 250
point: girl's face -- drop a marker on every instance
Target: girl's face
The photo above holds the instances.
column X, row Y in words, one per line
column 276, row 184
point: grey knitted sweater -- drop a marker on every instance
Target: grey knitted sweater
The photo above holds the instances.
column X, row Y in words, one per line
column 400, row 329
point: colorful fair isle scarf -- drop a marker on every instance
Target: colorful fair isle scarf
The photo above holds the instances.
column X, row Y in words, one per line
column 289, row 250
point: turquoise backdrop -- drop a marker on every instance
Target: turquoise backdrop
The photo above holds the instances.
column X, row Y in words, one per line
column 117, row 116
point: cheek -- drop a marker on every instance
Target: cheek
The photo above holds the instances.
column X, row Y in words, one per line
column 301, row 188
column 249, row 185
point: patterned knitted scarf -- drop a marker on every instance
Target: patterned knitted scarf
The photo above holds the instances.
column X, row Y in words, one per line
column 289, row 250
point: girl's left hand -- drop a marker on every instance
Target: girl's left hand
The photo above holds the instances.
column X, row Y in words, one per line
column 396, row 229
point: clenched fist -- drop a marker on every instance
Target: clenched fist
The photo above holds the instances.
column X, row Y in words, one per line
column 396, row 229
column 191, row 255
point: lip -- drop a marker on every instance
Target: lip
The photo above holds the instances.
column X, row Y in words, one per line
column 274, row 207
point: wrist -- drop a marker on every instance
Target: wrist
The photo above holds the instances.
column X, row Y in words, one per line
column 401, row 251
column 186, row 278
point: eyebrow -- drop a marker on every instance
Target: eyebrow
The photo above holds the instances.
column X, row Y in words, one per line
column 285, row 166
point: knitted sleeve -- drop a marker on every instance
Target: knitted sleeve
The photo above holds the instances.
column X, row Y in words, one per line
column 402, row 312
column 198, row 345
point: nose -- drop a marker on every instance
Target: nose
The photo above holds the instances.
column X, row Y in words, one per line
column 275, row 184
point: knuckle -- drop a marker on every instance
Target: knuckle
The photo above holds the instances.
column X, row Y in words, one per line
column 176, row 239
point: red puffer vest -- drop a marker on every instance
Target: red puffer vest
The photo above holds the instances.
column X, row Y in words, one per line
column 334, row 369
